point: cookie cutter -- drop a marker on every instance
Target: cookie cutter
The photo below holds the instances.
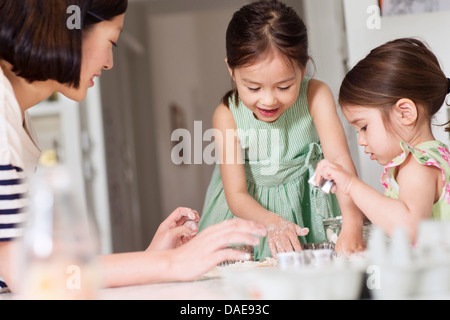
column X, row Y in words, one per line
column 324, row 184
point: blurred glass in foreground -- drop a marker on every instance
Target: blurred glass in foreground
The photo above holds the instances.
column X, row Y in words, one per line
column 60, row 241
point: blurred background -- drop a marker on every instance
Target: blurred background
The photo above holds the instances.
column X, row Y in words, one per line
column 170, row 73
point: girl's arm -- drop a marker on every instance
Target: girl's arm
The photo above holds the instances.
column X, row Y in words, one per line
column 418, row 192
column 282, row 235
column 335, row 148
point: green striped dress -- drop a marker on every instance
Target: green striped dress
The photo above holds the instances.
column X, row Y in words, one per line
column 279, row 158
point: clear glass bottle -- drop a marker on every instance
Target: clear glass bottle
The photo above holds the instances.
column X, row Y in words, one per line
column 60, row 243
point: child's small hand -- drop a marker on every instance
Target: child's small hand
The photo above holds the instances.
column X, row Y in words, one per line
column 350, row 240
column 282, row 236
column 335, row 172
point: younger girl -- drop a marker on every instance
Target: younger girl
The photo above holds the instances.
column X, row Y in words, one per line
column 283, row 121
column 390, row 98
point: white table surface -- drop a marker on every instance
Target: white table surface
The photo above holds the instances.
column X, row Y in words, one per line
column 208, row 289
column 211, row 289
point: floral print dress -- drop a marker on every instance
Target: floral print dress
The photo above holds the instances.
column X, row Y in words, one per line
column 430, row 153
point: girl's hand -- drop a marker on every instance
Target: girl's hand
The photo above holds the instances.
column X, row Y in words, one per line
column 350, row 240
column 282, row 236
column 177, row 229
column 351, row 236
column 335, row 172
column 211, row 247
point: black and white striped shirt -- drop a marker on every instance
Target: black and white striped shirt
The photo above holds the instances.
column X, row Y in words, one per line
column 18, row 160
column 13, row 201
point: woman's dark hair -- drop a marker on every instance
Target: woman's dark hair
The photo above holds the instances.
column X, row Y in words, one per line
column 403, row 68
column 261, row 27
column 35, row 38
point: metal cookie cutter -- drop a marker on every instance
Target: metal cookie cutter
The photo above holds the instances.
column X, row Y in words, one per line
column 324, row 185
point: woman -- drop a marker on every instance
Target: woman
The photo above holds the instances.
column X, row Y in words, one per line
column 40, row 55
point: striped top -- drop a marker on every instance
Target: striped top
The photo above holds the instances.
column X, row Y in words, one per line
column 18, row 160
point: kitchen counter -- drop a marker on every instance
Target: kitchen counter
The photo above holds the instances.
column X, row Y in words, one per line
column 243, row 281
column 209, row 289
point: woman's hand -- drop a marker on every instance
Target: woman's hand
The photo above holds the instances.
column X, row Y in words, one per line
column 177, row 229
column 211, row 247
column 282, row 236
column 186, row 262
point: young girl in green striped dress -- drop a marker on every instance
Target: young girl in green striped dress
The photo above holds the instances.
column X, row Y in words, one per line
column 271, row 130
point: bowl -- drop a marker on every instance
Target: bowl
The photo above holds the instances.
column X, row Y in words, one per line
column 333, row 228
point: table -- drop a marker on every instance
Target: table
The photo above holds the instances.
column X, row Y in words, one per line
column 208, row 289
column 249, row 280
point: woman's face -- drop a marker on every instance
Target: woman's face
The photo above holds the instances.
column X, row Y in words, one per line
column 97, row 55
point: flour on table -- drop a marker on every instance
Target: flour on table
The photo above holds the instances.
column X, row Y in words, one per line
column 239, row 265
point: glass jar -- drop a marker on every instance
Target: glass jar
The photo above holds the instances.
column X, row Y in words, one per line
column 60, row 243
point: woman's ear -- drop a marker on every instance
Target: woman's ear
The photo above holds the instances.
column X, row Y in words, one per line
column 406, row 111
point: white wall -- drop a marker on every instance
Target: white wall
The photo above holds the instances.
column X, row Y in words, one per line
column 328, row 48
column 325, row 22
column 187, row 59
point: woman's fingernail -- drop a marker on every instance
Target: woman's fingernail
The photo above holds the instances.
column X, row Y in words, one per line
column 245, row 256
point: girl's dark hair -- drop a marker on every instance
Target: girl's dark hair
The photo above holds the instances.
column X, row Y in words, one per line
column 260, row 27
column 403, row 68
column 35, row 38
